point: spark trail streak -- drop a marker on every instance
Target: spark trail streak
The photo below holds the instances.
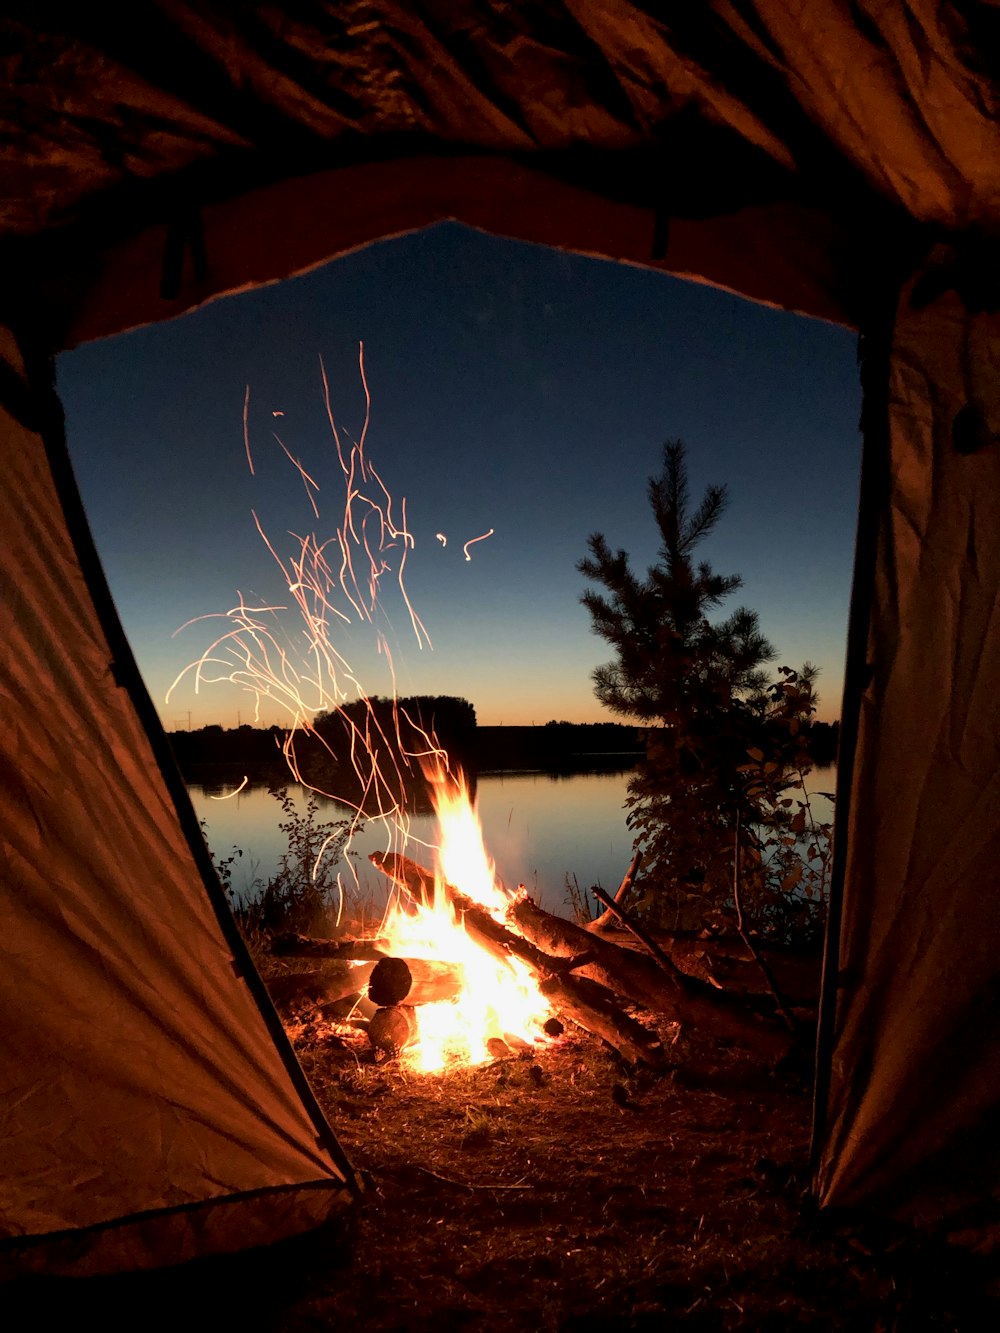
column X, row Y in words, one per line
column 472, row 541
column 375, row 749
column 295, row 666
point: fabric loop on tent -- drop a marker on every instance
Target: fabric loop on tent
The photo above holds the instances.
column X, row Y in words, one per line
column 185, row 235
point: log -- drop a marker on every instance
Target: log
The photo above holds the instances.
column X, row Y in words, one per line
column 426, row 982
column 638, row 978
column 310, row 946
column 594, row 1008
column 415, row 980
column 409, row 875
column 589, row 1005
column 489, row 933
column 391, row 1029
column 324, row 985
column 635, row 928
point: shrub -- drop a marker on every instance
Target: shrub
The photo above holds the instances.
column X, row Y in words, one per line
column 304, row 896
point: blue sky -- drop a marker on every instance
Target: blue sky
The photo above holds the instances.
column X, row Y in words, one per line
column 513, row 388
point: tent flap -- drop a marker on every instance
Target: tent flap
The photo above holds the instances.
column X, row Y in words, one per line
column 141, row 1074
column 914, row 1106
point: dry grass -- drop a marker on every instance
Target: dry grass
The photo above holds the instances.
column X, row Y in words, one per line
column 562, row 1191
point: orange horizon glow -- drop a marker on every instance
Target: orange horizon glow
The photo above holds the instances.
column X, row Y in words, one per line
column 173, row 720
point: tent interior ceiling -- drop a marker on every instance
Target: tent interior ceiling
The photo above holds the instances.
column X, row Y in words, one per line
column 114, row 121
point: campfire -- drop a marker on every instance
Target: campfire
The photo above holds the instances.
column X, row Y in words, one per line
column 489, row 1000
column 462, row 971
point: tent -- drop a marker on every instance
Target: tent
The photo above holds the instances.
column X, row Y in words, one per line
column 833, row 158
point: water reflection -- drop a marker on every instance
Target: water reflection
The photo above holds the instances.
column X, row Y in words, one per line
column 537, row 827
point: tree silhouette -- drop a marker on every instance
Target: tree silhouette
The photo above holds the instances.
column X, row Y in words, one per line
column 698, row 688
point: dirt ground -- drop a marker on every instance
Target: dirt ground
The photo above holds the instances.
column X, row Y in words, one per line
column 558, row 1190
column 561, row 1191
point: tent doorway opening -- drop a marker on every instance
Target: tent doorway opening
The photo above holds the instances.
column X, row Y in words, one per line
column 513, row 387
column 515, row 391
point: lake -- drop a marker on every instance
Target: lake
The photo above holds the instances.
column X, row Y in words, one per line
column 537, row 827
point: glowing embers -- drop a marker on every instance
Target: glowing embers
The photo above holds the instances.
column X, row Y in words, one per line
column 499, row 1000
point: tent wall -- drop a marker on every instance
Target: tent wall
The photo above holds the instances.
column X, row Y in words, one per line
column 761, row 145
column 152, row 1107
column 913, row 1110
column 216, row 151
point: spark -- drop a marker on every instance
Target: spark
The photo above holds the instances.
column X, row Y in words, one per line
column 441, row 538
column 246, row 428
column 472, row 541
column 307, row 481
column 235, row 792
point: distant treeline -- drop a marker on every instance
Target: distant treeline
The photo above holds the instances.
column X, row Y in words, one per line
column 325, row 759
column 330, row 755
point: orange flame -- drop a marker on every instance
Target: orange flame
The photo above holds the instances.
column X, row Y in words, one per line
column 499, row 997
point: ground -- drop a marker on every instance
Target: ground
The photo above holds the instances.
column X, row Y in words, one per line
column 559, row 1191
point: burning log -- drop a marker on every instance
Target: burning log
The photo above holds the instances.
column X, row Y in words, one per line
column 308, row 946
column 389, row 981
column 640, row 979
column 588, row 1004
column 415, row 980
column 495, row 938
column 391, row 1029
column 409, row 875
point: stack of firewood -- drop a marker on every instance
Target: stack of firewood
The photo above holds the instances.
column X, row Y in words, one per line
column 618, row 993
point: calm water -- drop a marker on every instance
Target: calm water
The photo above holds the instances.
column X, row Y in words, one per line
column 537, row 828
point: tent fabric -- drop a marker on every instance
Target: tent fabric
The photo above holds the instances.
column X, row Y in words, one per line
column 140, row 1075
column 802, row 130
column 914, row 1103
column 794, row 152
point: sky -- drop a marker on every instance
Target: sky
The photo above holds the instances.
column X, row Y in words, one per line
column 513, row 388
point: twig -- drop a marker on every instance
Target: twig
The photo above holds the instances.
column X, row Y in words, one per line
column 609, row 914
column 641, row 934
column 460, row 1184
column 766, row 973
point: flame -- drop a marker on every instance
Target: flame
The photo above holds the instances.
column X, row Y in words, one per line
column 499, row 996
